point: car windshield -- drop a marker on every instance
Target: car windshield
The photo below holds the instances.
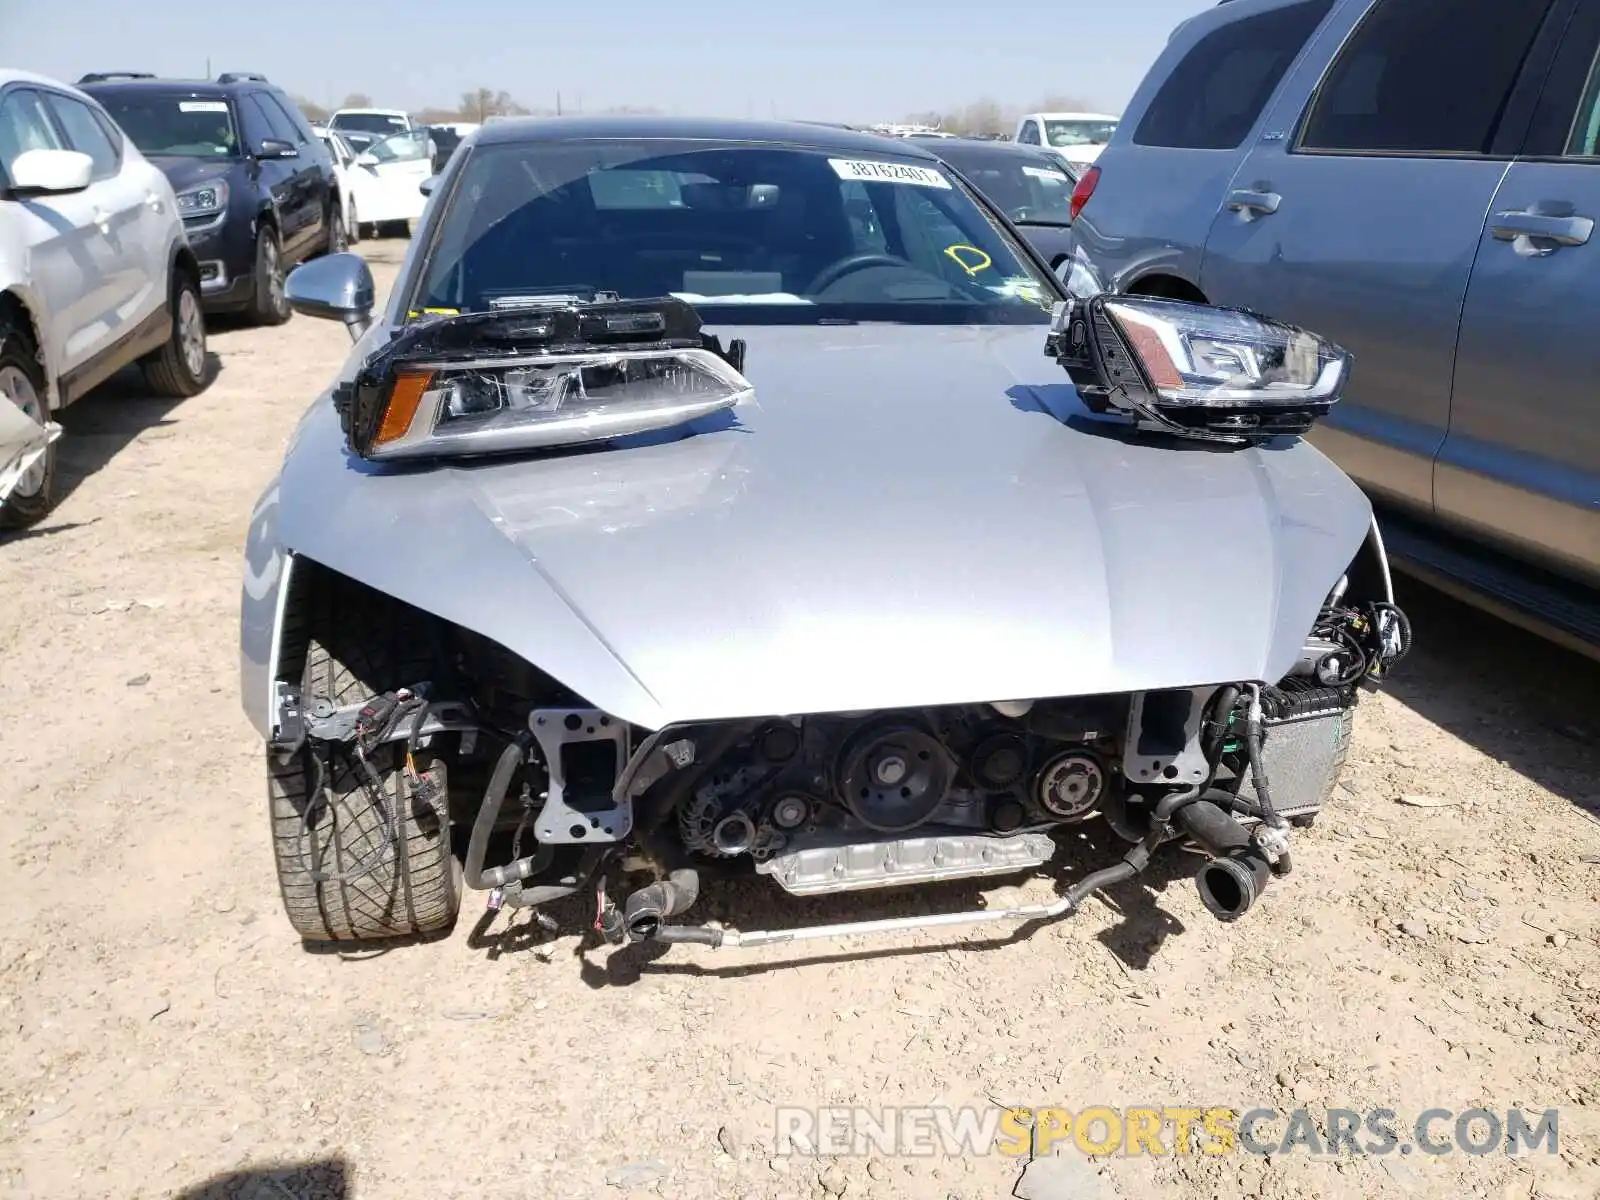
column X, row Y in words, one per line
column 369, row 122
column 175, row 125
column 401, row 147
column 1023, row 186
column 1079, row 133
column 782, row 234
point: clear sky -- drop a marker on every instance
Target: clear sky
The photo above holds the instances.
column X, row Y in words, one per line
column 823, row 59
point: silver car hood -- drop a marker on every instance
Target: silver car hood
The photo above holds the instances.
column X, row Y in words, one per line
column 905, row 516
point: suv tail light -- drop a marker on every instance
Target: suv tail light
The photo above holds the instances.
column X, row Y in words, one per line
column 1089, row 180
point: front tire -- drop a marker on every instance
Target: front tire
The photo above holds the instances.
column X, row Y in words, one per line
column 179, row 367
column 352, row 865
column 270, row 304
column 338, row 240
column 22, row 383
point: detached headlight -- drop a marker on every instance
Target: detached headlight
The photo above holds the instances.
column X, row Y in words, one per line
column 1218, row 374
column 204, row 201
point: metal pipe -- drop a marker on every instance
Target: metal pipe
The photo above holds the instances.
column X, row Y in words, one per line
column 728, row 939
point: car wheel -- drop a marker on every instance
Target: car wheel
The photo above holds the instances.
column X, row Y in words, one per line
column 22, row 383
column 338, row 242
column 179, row 367
column 353, row 225
column 270, row 304
column 360, row 857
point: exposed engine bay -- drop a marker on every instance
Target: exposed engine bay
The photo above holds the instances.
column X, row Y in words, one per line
column 844, row 802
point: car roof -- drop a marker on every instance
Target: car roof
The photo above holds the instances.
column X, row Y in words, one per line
column 789, row 133
column 185, row 87
column 12, row 75
column 377, row 112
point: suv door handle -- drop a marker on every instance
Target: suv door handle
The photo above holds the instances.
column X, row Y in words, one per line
column 1564, row 231
column 1247, row 202
column 102, row 219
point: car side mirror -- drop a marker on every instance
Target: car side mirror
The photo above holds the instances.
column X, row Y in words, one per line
column 274, row 148
column 50, row 172
column 427, row 185
column 337, row 287
column 367, row 159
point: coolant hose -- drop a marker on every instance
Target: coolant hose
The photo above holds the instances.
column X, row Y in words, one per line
column 644, row 911
column 1238, row 872
column 473, row 874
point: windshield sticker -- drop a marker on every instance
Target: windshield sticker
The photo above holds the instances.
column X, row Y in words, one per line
column 202, row 106
column 416, row 314
column 866, row 171
column 1046, row 173
column 969, row 258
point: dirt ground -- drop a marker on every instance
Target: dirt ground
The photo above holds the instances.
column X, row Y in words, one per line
column 163, row 1032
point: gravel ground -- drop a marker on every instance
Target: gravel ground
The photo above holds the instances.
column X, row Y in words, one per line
column 163, row 1032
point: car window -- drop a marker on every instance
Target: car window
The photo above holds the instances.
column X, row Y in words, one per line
column 381, row 123
column 276, row 119
column 1023, row 186
column 1216, row 93
column 170, row 123
column 257, row 128
column 1062, row 134
column 1029, row 134
column 85, row 134
column 1424, row 77
column 1583, row 140
column 400, row 147
column 782, row 233
column 304, row 135
column 24, row 126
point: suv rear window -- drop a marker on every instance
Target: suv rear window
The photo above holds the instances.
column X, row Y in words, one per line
column 1424, row 77
column 1214, row 95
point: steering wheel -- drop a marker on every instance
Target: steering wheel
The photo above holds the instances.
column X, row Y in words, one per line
column 849, row 265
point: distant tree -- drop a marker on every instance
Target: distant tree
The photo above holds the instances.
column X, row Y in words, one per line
column 356, row 100
column 312, row 110
column 483, row 103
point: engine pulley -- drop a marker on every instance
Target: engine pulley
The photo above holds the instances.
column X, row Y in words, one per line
column 1070, row 786
column 893, row 778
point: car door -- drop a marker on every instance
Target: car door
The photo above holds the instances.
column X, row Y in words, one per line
column 286, row 177
column 1358, row 211
column 1153, row 195
column 122, row 196
column 1522, row 461
column 315, row 169
column 69, row 259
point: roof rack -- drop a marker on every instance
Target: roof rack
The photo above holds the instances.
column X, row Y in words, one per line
column 108, row 76
column 242, row 77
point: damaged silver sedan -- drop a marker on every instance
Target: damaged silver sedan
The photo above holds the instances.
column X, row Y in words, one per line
column 726, row 497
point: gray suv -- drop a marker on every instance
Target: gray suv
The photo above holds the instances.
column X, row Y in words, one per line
column 1420, row 180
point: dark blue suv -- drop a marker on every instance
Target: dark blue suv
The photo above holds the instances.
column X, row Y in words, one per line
column 255, row 185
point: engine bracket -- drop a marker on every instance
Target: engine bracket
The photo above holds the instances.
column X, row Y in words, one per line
column 582, row 807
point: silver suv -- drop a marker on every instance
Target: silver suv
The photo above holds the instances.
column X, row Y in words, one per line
column 1420, row 180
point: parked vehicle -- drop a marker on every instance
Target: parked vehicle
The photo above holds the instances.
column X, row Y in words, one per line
column 344, row 166
column 1078, row 138
column 1420, row 182
column 366, row 126
column 445, row 140
column 1031, row 186
column 387, row 179
column 680, row 513
column 255, row 185
column 94, row 275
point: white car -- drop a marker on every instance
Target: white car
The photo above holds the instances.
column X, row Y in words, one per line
column 95, row 274
column 381, row 182
column 344, row 165
column 1076, row 137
